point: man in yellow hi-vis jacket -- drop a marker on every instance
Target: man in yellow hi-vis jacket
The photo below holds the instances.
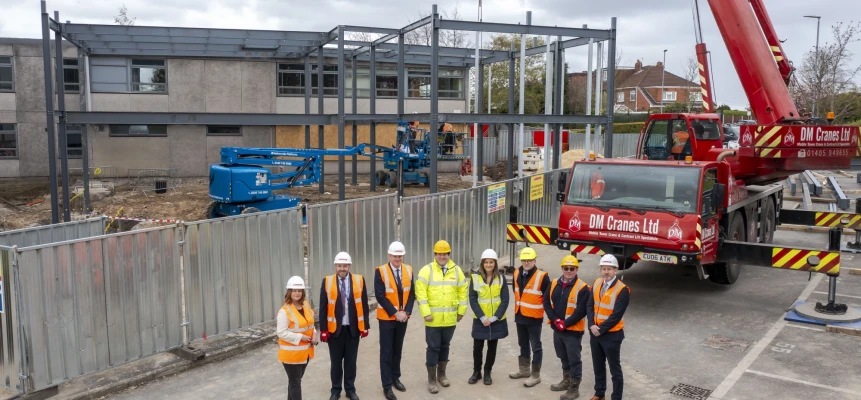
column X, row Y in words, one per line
column 442, row 294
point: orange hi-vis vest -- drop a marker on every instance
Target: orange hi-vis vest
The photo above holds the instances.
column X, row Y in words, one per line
column 332, row 292
column 289, row 353
column 579, row 285
column 392, row 289
column 532, row 300
column 604, row 305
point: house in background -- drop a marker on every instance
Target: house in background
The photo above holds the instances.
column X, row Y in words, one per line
column 639, row 89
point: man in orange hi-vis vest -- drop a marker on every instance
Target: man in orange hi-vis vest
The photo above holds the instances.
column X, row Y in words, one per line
column 530, row 285
column 393, row 288
column 344, row 303
column 605, row 310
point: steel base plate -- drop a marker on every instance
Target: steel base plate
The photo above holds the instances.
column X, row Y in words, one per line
column 807, row 310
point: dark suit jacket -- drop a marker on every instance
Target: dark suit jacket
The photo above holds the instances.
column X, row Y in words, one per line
column 383, row 301
column 339, row 308
column 615, row 317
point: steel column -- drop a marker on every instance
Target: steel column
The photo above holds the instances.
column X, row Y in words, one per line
column 61, row 123
column 373, row 110
column 477, row 138
column 341, row 183
column 49, row 115
column 402, row 76
column 611, row 89
column 588, row 137
column 557, row 105
column 307, row 77
column 522, row 88
column 320, row 111
column 511, row 83
column 355, row 133
column 434, row 105
column 85, row 152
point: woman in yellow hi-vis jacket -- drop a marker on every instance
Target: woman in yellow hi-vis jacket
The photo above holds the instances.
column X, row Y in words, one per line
column 295, row 331
column 488, row 298
column 441, row 292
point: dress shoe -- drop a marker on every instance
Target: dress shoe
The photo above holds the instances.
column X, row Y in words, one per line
column 352, row 396
column 334, row 397
column 399, row 386
column 390, row 395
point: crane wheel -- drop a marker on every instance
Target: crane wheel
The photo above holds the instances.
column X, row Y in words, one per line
column 726, row 273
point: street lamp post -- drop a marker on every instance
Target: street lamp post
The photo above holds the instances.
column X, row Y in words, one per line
column 816, row 65
column 663, row 68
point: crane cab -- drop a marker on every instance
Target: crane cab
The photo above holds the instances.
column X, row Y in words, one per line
column 676, row 136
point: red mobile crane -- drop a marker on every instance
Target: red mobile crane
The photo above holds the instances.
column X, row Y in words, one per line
column 708, row 206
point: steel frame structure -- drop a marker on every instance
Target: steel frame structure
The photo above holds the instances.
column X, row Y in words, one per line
column 117, row 40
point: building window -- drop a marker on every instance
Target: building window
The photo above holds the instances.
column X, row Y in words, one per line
column 696, row 96
column 419, row 83
column 669, row 96
column 7, row 79
column 138, row 130
column 632, row 96
column 8, row 141
column 363, row 82
column 620, row 97
column 149, row 76
column 223, row 130
column 74, row 146
column 71, row 75
column 387, row 82
column 291, row 80
column 451, row 84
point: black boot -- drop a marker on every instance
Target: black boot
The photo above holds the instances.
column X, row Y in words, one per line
column 487, row 380
column 476, row 375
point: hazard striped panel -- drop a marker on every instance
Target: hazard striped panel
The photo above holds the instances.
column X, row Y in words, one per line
column 832, row 220
column 858, row 152
column 768, row 136
column 580, row 249
column 699, row 242
column 530, row 233
column 796, row 259
column 770, row 153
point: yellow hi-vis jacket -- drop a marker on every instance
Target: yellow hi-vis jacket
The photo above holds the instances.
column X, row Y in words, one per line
column 443, row 296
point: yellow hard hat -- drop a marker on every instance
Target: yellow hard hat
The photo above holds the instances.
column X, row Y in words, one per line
column 528, row 253
column 570, row 261
column 442, row 247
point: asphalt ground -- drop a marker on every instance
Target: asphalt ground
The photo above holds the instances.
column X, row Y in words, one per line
column 728, row 340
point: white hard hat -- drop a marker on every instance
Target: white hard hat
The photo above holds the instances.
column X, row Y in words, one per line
column 296, row 282
column 489, row 253
column 343, row 258
column 397, row 249
column 609, row 259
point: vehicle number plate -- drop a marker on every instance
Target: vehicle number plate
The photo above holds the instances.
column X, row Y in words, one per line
column 661, row 258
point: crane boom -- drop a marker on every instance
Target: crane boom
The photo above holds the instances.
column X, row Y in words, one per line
column 744, row 32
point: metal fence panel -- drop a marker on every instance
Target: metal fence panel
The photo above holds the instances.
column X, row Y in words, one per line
column 53, row 233
column 9, row 335
column 96, row 303
column 490, row 151
column 543, row 210
column 364, row 228
column 432, row 217
column 236, row 269
column 489, row 228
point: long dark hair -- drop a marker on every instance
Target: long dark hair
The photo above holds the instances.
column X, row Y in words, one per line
column 483, row 273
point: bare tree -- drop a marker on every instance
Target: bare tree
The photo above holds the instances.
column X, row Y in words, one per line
column 362, row 36
column 123, row 19
column 691, row 73
column 447, row 38
column 828, row 78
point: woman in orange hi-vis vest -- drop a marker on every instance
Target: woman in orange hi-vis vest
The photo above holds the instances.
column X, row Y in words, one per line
column 597, row 185
column 295, row 331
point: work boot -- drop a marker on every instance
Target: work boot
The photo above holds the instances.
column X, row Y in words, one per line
column 535, row 378
column 573, row 390
column 563, row 385
column 487, row 380
column 476, row 375
column 390, row 395
column 440, row 374
column 596, row 398
column 432, row 388
column 524, row 369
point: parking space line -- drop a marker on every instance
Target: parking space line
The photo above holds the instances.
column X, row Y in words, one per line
column 806, row 327
column 840, row 295
column 748, row 359
column 814, row 384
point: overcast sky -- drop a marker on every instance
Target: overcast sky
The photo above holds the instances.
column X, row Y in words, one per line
column 645, row 28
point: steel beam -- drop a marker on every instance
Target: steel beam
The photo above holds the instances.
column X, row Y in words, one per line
column 370, row 29
column 85, row 153
column 320, row 111
column 306, row 76
column 373, row 111
column 434, row 103
column 49, row 114
column 456, row 25
column 516, row 119
column 177, row 118
column 355, row 101
column 536, row 50
column 95, row 40
column 511, row 83
column 611, row 89
column 97, row 29
column 842, row 200
column 341, row 184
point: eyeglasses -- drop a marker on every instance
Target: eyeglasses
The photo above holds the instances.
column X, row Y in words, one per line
column 569, row 269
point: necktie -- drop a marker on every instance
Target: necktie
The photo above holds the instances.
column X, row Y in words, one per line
column 343, row 294
column 398, row 275
column 604, row 289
